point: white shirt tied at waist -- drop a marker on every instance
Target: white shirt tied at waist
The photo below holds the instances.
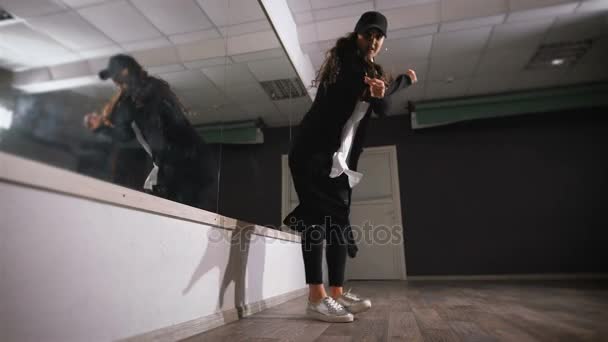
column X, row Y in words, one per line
column 152, row 179
column 341, row 157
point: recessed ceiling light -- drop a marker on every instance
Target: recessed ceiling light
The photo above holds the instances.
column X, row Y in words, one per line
column 562, row 54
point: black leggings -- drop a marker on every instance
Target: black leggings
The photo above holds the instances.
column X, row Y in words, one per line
column 335, row 253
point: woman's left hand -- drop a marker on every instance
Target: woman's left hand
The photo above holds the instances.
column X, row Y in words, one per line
column 412, row 75
column 377, row 88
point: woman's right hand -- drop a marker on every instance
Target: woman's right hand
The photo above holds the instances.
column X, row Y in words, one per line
column 377, row 87
column 93, row 121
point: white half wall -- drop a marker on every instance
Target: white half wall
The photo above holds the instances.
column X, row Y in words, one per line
column 77, row 269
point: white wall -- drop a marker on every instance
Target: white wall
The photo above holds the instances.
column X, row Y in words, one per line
column 74, row 269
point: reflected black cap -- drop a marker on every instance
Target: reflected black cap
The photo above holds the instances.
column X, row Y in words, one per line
column 116, row 64
column 370, row 20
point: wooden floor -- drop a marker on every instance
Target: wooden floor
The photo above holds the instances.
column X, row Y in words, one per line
column 443, row 311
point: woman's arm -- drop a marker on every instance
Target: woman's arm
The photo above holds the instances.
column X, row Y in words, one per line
column 382, row 105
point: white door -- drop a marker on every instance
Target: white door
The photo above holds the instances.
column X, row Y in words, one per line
column 375, row 216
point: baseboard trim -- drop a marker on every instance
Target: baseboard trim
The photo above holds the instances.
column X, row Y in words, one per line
column 188, row 329
column 548, row 276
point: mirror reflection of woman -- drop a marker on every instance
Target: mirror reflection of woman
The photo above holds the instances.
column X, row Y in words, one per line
column 324, row 156
column 145, row 108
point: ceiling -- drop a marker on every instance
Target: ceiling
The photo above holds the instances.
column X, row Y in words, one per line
column 482, row 46
column 215, row 53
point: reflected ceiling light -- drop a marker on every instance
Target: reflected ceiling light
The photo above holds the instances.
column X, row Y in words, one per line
column 56, row 85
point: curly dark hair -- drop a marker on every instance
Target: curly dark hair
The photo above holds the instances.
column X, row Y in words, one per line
column 346, row 46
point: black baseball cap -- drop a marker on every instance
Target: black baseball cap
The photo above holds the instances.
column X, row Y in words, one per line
column 370, row 20
column 116, row 64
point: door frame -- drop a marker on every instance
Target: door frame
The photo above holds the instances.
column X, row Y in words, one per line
column 391, row 151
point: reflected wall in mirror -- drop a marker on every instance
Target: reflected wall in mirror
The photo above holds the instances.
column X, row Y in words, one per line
column 265, row 100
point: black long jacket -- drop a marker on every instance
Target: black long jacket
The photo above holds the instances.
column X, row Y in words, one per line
column 319, row 136
column 178, row 150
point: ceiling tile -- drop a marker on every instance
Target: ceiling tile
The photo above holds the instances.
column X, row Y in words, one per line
column 32, row 76
column 465, row 9
column 120, row 21
column 158, row 56
column 397, row 50
column 537, row 79
column 527, row 35
column 382, row 5
column 412, row 16
column 202, row 50
column 460, row 42
column 164, row 69
column 440, row 90
column 252, row 42
column 207, row 96
column 598, row 54
column 587, row 73
column 261, row 109
column 425, row 30
column 226, row 13
column 244, row 28
column 191, row 37
column 577, row 27
column 455, row 66
column 350, row 10
column 227, row 76
column 101, row 52
column 25, row 41
column 81, row 3
column 146, row 44
column 246, row 94
column 303, row 17
column 335, row 28
column 504, row 61
column 175, row 16
column 319, row 4
column 472, row 23
column 186, row 80
column 317, row 58
column 299, row 5
column 307, row 33
column 71, row 30
column 542, row 13
column 32, row 8
column 272, row 69
column 592, row 6
column 518, row 5
column 205, row 63
column 260, row 55
column 70, row 70
column 491, row 84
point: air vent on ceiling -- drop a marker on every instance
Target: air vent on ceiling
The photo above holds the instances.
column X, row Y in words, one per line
column 4, row 15
column 284, row 89
column 562, row 54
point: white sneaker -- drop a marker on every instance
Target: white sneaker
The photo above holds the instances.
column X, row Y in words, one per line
column 328, row 310
column 353, row 303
